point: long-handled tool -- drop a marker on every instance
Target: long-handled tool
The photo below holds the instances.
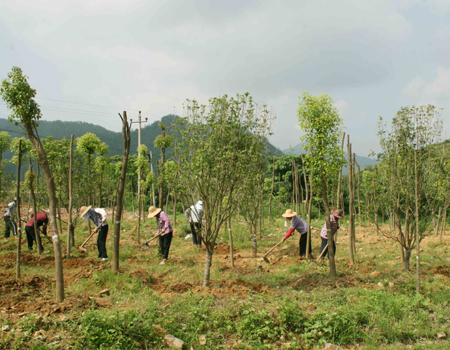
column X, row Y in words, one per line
column 145, row 245
column 267, row 253
column 81, row 247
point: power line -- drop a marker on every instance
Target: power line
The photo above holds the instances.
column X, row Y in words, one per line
column 86, row 104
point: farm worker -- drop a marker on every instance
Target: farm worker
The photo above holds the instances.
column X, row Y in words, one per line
column 194, row 215
column 41, row 220
column 98, row 217
column 9, row 219
column 334, row 220
column 165, row 231
column 299, row 225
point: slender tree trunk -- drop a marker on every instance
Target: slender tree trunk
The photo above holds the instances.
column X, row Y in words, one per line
column 359, row 198
column 36, row 229
column 308, row 239
column 139, row 216
column 69, row 220
column 279, row 194
column 230, row 236
column 208, row 264
column 353, row 206
column 438, row 221
column 350, row 208
column 19, row 223
column 444, row 221
column 121, row 189
column 416, row 195
column 339, row 186
column 330, row 233
column 271, row 190
column 132, row 195
column 51, row 190
column 174, row 198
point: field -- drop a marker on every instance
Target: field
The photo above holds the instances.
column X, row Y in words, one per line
column 287, row 304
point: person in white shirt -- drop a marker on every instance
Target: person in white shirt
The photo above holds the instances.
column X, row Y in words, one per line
column 194, row 215
column 98, row 217
column 9, row 219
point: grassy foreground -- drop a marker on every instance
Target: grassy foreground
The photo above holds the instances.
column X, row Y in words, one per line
column 287, row 304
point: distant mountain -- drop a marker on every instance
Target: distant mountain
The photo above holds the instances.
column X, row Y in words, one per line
column 362, row 161
column 60, row 129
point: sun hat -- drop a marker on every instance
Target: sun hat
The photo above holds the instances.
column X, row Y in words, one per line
column 289, row 214
column 338, row 213
column 84, row 210
column 152, row 211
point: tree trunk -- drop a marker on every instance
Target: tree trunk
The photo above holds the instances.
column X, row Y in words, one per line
column 208, row 263
column 416, row 195
column 438, row 221
column 330, row 234
column 19, row 223
column 51, row 190
column 139, row 216
column 359, row 198
column 230, row 236
column 309, row 206
column 121, row 189
column 271, row 191
column 444, row 222
column 350, row 208
column 174, row 198
column 339, row 185
column 69, row 220
column 254, row 242
column 407, row 258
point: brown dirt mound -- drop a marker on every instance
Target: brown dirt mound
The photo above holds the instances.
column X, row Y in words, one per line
column 441, row 270
column 75, row 263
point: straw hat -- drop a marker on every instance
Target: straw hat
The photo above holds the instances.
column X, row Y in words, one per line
column 338, row 214
column 84, row 210
column 289, row 214
column 152, row 211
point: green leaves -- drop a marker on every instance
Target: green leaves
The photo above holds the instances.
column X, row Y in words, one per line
column 19, row 98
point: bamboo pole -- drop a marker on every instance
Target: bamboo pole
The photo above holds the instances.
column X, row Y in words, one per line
column 70, row 237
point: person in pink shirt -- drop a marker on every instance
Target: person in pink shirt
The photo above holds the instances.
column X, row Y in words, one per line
column 334, row 220
column 165, row 231
column 301, row 227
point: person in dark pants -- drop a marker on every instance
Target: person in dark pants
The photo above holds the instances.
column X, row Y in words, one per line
column 98, row 217
column 9, row 219
column 334, row 220
column 165, row 231
column 41, row 220
column 301, row 227
column 194, row 215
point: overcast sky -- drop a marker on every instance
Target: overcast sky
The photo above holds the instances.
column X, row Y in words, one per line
column 90, row 61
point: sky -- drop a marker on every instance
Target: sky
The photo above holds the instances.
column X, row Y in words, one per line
column 90, row 60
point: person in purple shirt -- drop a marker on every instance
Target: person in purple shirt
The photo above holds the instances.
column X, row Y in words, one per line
column 301, row 227
column 165, row 231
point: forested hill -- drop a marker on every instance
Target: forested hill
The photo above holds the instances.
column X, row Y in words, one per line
column 60, row 129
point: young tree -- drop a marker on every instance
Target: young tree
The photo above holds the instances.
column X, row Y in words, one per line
column 19, row 98
column 403, row 186
column 121, row 188
column 320, row 121
column 214, row 153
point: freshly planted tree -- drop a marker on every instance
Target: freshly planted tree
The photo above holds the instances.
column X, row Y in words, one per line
column 404, row 180
column 214, row 153
column 320, row 121
column 19, row 98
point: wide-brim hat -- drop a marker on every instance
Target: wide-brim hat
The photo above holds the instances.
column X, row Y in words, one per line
column 84, row 210
column 339, row 213
column 289, row 214
column 152, row 212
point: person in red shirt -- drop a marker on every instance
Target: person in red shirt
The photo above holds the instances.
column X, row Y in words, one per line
column 41, row 220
